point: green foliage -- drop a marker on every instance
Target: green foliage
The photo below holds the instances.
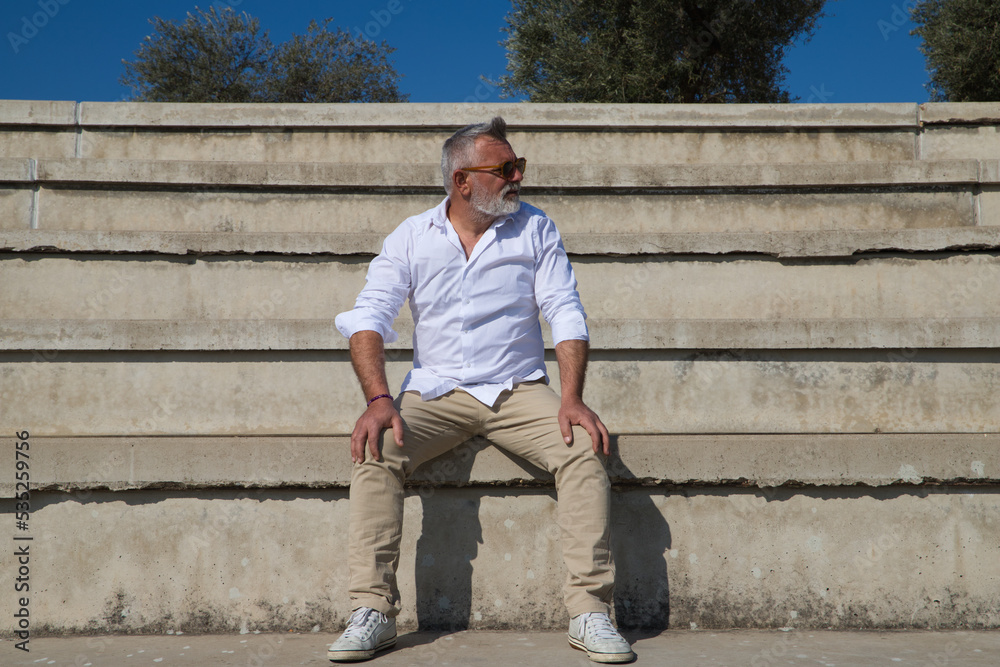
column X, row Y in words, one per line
column 630, row 51
column 221, row 56
column 962, row 47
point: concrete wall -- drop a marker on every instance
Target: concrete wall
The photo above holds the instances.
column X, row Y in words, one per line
column 795, row 341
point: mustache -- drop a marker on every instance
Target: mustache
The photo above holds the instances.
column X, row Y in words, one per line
column 511, row 187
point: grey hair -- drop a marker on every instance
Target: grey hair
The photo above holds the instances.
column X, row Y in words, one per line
column 458, row 150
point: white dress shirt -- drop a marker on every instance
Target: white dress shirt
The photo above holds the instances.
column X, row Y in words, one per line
column 475, row 321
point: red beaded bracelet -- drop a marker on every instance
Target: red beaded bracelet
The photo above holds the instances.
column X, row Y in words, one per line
column 375, row 398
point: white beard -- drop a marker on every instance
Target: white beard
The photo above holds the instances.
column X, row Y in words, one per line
column 496, row 206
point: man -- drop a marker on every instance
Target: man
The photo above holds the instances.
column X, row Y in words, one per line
column 477, row 270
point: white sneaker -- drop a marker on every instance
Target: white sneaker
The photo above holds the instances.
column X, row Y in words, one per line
column 594, row 634
column 367, row 631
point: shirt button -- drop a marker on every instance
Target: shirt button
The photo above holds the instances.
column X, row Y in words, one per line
column 468, row 301
column 468, row 365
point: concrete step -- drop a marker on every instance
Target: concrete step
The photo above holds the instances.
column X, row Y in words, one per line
column 806, row 243
column 786, row 210
column 161, row 287
column 790, row 224
column 306, row 392
column 746, row 134
column 795, row 343
column 218, row 560
column 52, row 335
column 416, row 177
column 119, row 463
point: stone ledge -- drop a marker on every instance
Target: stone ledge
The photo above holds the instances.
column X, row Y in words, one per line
column 37, row 112
column 79, row 465
column 41, row 335
column 191, row 243
column 388, row 117
column 15, row 170
column 805, row 243
column 87, row 171
column 959, row 113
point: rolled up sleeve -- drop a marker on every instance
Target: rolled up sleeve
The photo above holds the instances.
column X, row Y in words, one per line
column 555, row 287
column 386, row 287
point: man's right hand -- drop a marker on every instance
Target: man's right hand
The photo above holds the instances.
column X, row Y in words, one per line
column 380, row 415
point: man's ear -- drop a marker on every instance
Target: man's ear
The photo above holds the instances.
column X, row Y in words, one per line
column 460, row 182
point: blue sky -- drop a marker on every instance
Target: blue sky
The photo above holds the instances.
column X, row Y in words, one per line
column 72, row 49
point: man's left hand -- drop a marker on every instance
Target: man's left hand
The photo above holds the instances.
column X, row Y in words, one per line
column 576, row 412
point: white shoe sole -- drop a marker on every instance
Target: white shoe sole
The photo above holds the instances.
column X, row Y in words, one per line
column 356, row 656
column 600, row 657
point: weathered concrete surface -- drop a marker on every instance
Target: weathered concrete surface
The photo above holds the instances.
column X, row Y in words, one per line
column 74, row 465
column 46, row 337
column 414, row 132
column 219, row 561
column 16, row 170
column 301, row 133
column 813, row 371
column 574, row 212
column 950, row 142
column 244, row 393
column 15, row 209
column 227, row 212
column 834, row 243
column 556, row 145
column 757, row 214
column 37, row 112
column 989, row 206
column 38, row 143
column 429, row 116
column 760, row 213
column 395, row 175
column 933, row 113
column 787, row 224
column 535, row 649
column 220, row 288
column 876, row 287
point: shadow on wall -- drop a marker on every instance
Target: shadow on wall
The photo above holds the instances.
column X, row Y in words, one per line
column 451, row 533
column 640, row 538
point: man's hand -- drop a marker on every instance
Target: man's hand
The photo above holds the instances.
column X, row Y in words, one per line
column 575, row 411
column 572, row 358
column 368, row 359
column 380, row 415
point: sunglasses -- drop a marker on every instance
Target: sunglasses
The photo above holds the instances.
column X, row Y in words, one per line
column 505, row 170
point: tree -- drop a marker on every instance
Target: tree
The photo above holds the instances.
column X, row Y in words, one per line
column 221, row 56
column 325, row 66
column 962, row 47
column 630, row 51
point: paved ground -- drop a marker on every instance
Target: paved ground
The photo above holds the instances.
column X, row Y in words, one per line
column 511, row 649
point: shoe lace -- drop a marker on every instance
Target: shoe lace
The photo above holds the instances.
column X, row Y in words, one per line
column 598, row 626
column 362, row 622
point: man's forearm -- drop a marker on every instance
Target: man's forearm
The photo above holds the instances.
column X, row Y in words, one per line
column 368, row 359
column 572, row 358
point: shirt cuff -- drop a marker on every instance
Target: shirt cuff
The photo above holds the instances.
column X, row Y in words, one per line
column 353, row 321
column 571, row 325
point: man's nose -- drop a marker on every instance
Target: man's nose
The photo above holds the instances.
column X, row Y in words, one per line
column 517, row 176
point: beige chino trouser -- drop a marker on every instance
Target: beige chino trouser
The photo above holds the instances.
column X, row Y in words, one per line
column 523, row 422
